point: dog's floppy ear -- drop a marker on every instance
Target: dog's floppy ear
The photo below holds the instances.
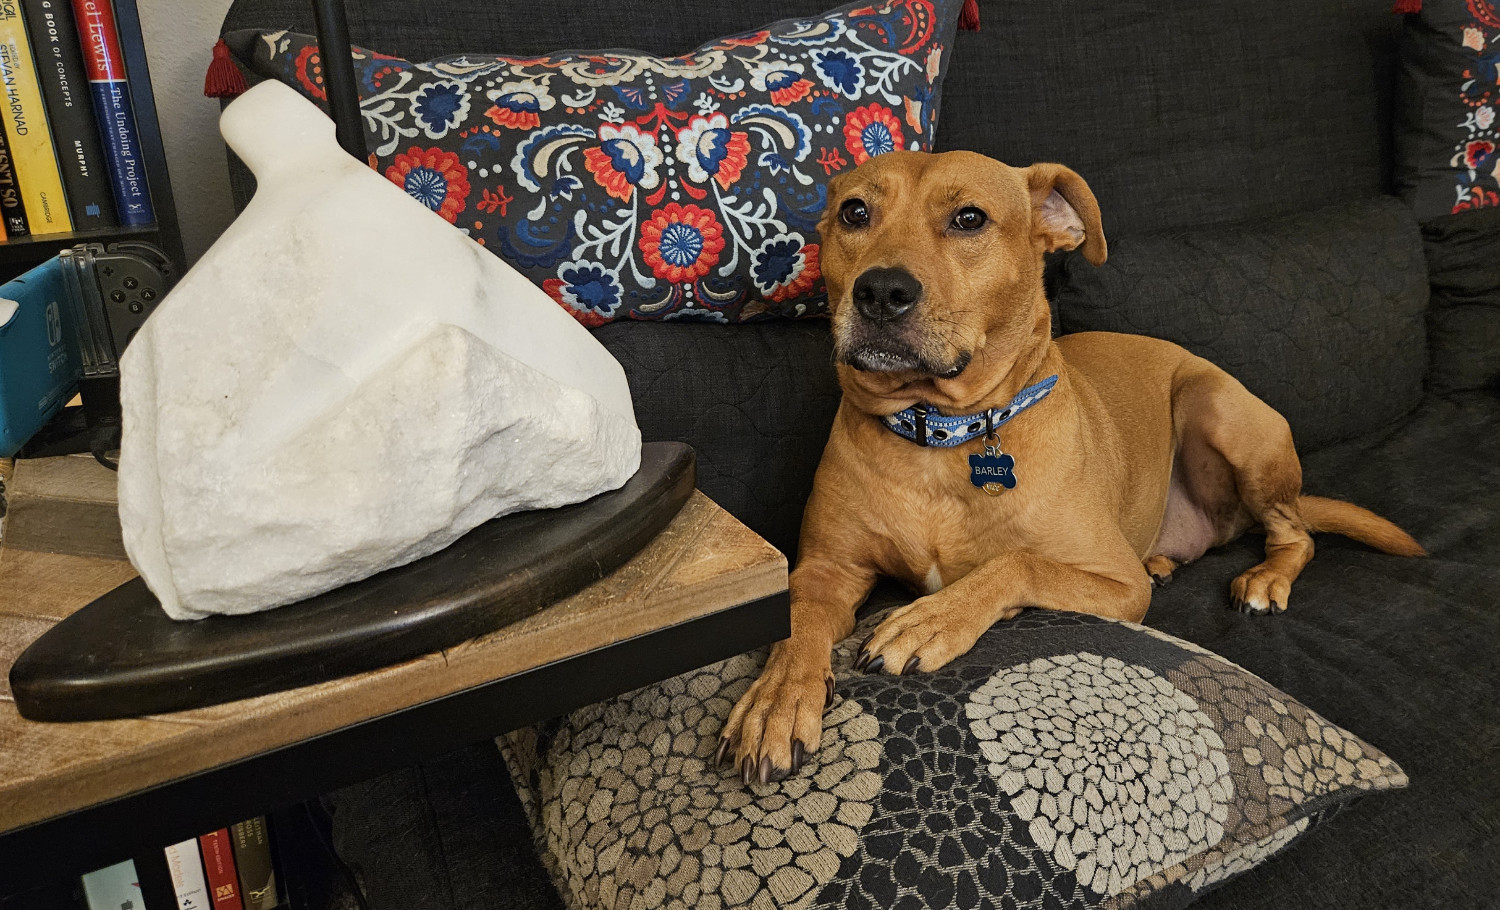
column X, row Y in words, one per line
column 1064, row 212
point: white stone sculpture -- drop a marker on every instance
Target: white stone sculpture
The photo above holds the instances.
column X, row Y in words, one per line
column 345, row 383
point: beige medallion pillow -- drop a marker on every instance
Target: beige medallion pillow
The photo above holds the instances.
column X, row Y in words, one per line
column 1067, row 760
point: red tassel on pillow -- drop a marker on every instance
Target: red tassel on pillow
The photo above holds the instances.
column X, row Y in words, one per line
column 968, row 17
column 224, row 79
column 1408, row 6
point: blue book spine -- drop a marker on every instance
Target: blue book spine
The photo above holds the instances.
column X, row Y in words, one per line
column 122, row 149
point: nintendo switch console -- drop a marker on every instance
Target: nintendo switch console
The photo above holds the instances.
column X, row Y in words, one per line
column 63, row 327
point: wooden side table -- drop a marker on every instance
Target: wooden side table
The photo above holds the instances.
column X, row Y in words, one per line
column 79, row 796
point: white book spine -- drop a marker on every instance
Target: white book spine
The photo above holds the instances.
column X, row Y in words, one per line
column 187, row 876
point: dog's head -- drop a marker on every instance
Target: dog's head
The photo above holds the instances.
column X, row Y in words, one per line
column 934, row 270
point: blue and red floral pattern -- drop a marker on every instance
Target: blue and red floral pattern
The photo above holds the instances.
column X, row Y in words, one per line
column 1475, row 159
column 629, row 186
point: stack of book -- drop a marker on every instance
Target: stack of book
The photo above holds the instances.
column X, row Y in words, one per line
column 70, row 156
column 228, row 869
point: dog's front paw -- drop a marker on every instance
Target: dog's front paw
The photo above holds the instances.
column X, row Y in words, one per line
column 778, row 722
column 922, row 636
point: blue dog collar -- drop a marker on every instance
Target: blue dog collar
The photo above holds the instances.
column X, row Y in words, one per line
column 926, row 427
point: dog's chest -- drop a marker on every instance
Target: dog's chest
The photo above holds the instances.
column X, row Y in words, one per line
column 934, row 532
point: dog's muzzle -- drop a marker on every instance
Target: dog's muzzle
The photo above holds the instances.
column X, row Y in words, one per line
column 883, row 336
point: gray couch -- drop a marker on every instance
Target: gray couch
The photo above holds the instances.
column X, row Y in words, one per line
column 1242, row 154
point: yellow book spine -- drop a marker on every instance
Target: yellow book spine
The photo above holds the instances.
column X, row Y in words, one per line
column 26, row 126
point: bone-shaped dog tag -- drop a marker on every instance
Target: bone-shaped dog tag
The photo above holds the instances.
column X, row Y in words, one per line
column 993, row 472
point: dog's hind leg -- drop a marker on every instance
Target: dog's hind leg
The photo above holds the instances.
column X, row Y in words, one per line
column 1214, row 414
column 1160, row 568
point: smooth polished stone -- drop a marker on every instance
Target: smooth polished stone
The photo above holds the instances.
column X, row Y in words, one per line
column 345, row 383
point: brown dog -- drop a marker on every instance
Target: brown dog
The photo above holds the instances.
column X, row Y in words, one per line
column 1141, row 458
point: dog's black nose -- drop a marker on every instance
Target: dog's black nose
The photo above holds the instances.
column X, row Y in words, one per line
column 885, row 295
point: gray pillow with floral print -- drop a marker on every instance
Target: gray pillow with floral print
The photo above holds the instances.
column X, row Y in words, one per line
column 1067, row 760
column 632, row 186
column 1447, row 101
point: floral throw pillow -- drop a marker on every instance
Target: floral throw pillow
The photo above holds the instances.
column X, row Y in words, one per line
column 1066, row 761
column 1448, row 140
column 630, row 186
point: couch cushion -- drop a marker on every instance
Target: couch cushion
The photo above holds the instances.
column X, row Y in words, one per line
column 632, row 186
column 1463, row 322
column 447, row 833
column 1065, row 761
column 755, row 401
column 1183, row 113
column 1319, row 314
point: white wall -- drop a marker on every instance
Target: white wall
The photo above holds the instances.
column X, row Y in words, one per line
column 180, row 36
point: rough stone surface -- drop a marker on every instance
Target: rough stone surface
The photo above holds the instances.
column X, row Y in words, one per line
column 345, row 384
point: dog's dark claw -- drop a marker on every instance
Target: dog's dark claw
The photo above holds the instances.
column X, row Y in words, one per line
column 861, row 660
column 765, row 770
column 1277, row 608
column 828, row 702
column 723, row 753
column 865, row 645
column 875, row 665
column 799, row 755
column 747, row 770
column 1250, row 609
column 911, row 664
column 1161, row 581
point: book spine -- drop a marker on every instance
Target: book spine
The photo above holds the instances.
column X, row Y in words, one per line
column 223, row 877
column 12, row 209
column 104, row 65
column 252, row 856
column 26, row 125
column 187, row 875
column 75, row 131
column 113, row 887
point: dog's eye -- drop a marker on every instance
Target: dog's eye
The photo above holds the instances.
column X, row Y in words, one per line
column 969, row 219
column 855, row 213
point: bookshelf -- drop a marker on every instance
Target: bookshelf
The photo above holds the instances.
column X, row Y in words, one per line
column 18, row 255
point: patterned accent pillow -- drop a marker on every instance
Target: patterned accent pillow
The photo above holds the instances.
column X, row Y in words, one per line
column 630, row 186
column 1447, row 137
column 1067, row 761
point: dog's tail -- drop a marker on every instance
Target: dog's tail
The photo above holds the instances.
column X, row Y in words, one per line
column 1350, row 520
